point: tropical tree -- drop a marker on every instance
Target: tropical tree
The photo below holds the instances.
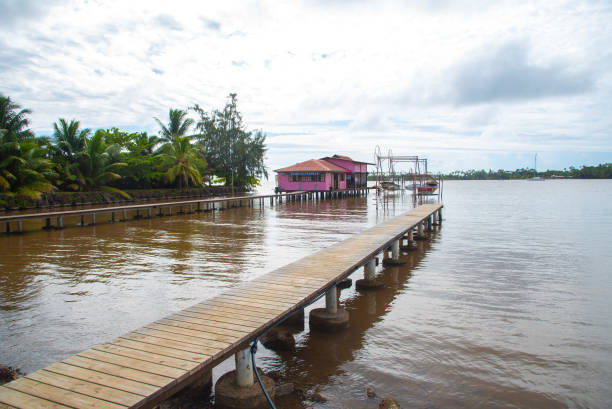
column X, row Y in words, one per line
column 99, row 164
column 69, row 146
column 178, row 125
column 69, row 139
column 232, row 152
column 13, row 121
column 145, row 167
column 24, row 167
column 185, row 162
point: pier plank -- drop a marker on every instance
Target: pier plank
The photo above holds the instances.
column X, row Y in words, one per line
column 19, row 400
column 175, row 336
column 86, row 388
column 160, row 350
column 236, row 318
column 61, row 396
column 146, row 356
column 141, row 368
column 188, row 333
column 133, row 363
column 201, row 324
column 228, row 307
column 148, row 339
column 99, row 378
column 118, row 370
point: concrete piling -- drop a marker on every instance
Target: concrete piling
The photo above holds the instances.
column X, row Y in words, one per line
column 331, row 318
column 395, row 259
column 369, row 281
column 238, row 389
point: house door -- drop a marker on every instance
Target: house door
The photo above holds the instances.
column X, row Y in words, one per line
column 336, row 177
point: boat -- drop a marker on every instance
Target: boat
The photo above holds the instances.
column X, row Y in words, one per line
column 535, row 167
column 424, row 187
column 389, row 186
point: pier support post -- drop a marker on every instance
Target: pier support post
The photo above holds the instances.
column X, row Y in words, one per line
column 93, row 218
column 237, row 389
column 395, row 259
column 331, row 318
column 60, row 222
column 19, row 226
column 369, row 281
column 420, row 234
column 410, row 244
column 244, row 370
column 124, row 216
column 149, row 212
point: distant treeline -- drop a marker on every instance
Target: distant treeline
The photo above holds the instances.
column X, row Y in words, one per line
column 601, row 171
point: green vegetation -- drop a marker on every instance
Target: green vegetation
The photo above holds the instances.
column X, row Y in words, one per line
column 601, row 171
column 235, row 153
column 74, row 160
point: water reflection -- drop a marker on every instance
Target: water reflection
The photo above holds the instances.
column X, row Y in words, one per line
column 77, row 281
column 320, row 357
column 507, row 306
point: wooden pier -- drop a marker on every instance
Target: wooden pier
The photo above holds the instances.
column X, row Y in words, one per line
column 14, row 223
column 146, row 366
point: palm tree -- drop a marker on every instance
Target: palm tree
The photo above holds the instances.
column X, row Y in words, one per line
column 185, row 161
column 142, row 144
column 24, row 167
column 177, row 126
column 67, row 151
column 13, row 124
column 99, row 164
column 183, row 158
column 70, row 141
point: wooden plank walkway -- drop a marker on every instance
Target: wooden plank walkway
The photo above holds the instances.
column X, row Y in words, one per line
column 155, row 208
column 150, row 364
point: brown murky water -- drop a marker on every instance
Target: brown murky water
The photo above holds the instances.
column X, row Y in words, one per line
column 508, row 305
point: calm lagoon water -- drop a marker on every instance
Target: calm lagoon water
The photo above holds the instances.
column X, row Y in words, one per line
column 508, row 305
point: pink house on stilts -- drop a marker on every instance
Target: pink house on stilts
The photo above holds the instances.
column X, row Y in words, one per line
column 331, row 173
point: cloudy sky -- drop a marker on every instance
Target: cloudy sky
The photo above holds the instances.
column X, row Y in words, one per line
column 468, row 84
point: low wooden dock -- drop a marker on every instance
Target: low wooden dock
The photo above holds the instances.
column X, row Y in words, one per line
column 14, row 223
column 150, row 364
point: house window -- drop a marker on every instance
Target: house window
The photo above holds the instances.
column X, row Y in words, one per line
column 342, row 177
column 313, row 177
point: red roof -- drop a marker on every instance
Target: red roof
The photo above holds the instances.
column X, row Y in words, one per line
column 313, row 165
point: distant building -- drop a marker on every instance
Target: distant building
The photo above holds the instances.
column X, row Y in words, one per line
column 330, row 173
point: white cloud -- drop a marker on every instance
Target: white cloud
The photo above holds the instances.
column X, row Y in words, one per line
column 345, row 76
